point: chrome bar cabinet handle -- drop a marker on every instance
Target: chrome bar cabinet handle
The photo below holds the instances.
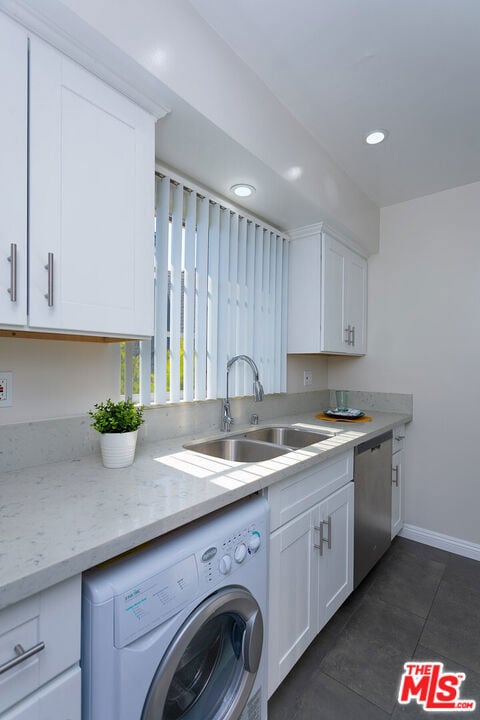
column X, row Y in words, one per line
column 21, row 655
column 12, row 290
column 49, row 268
column 327, row 539
column 395, row 470
column 353, row 335
column 329, row 528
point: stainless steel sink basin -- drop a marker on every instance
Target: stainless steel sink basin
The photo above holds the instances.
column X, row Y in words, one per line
column 259, row 444
column 238, row 449
column 290, row 436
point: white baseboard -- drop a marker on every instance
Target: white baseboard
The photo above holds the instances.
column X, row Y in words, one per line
column 443, row 542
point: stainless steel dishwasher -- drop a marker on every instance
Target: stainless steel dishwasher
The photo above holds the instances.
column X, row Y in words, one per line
column 373, row 503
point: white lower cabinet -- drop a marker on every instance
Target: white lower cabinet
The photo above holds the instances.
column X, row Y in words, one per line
column 59, row 700
column 336, row 556
column 293, row 610
column 39, row 655
column 311, row 560
column 398, row 479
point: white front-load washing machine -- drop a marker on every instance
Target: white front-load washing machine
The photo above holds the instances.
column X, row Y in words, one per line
column 176, row 630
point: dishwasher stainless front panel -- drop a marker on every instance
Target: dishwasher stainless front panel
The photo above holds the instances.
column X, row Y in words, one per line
column 373, row 503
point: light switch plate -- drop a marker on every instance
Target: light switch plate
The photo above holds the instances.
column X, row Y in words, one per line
column 6, row 389
column 307, row 377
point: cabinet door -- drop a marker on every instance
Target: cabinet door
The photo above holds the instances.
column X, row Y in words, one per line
column 398, row 476
column 293, row 610
column 304, row 294
column 356, row 302
column 334, row 334
column 91, row 202
column 334, row 518
column 51, row 617
column 59, row 700
column 344, row 299
column 13, row 174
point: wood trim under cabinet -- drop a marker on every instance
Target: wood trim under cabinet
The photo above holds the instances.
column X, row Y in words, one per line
column 28, row 334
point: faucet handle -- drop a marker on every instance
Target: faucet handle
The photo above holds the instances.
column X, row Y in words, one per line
column 254, row 419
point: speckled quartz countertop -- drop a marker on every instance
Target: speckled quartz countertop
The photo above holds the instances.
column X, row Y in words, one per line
column 60, row 519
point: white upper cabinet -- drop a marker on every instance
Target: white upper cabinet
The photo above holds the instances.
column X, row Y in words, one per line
column 344, row 298
column 13, row 174
column 90, row 198
column 327, row 307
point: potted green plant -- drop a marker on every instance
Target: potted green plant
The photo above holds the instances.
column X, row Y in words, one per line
column 117, row 423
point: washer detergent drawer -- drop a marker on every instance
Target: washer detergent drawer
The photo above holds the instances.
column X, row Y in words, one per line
column 39, row 639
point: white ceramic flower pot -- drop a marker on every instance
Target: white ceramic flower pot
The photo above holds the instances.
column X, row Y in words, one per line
column 118, row 449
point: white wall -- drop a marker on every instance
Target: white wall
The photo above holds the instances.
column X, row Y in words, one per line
column 53, row 378
column 424, row 338
column 298, row 364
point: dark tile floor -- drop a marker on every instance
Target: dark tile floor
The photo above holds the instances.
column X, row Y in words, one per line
column 418, row 602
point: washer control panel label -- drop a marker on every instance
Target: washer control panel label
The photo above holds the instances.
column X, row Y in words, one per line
column 147, row 605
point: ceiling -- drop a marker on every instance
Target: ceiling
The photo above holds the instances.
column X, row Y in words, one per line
column 187, row 141
column 345, row 67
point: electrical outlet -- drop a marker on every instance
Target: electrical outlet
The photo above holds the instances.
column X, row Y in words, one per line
column 6, row 388
column 307, row 377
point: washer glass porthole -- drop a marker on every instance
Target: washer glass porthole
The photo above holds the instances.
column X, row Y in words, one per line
column 209, row 669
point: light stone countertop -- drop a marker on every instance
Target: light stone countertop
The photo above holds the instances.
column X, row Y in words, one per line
column 60, row 519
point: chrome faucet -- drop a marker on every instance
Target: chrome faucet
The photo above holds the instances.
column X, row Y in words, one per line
column 227, row 419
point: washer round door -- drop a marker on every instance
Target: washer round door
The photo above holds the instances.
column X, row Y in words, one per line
column 210, row 666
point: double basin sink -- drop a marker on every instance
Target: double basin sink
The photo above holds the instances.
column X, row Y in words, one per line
column 259, row 444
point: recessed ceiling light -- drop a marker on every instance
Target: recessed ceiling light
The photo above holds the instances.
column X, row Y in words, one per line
column 243, row 190
column 376, row 136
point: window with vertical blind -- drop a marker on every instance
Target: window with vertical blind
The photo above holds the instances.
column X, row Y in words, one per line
column 220, row 291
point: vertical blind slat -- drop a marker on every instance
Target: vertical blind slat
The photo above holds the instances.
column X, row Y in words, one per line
column 242, row 319
column 233, row 344
column 128, row 378
column 145, row 371
column 212, row 300
column 266, row 311
column 161, row 290
column 201, row 288
column 224, row 302
column 258, row 303
column 283, row 354
column 271, row 311
column 278, row 314
column 250, row 283
column 189, row 297
column 176, row 292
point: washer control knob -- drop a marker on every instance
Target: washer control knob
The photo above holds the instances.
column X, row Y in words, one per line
column 240, row 553
column 254, row 543
column 225, row 564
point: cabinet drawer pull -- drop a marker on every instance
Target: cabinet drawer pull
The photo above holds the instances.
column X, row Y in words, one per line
column 21, row 655
column 399, row 437
column 12, row 290
column 49, row 267
column 353, row 335
column 327, row 539
column 395, row 470
column 347, row 332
